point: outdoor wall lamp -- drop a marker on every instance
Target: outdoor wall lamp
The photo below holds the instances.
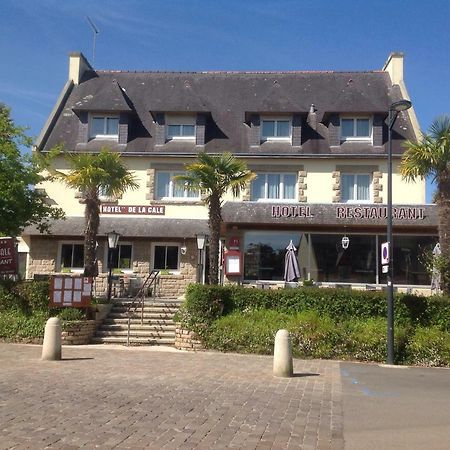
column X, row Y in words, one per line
column 345, row 242
column 201, row 240
column 394, row 110
column 113, row 240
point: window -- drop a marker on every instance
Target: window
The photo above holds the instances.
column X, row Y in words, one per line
column 181, row 131
column 166, row 187
column 276, row 129
column 274, row 186
column 166, row 257
column 356, row 128
column 355, row 187
column 104, row 127
column 121, row 258
column 72, row 256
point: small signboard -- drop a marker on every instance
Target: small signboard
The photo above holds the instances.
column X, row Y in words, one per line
column 385, row 253
column 233, row 264
column 140, row 210
column 8, row 256
column 75, row 292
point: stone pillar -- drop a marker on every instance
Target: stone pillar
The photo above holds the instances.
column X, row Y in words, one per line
column 51, row 349
column 282, row 355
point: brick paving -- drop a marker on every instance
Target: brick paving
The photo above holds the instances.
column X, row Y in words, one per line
column 110, row 397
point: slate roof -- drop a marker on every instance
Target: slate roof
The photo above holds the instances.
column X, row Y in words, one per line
column 126, row 226
column 227, row 97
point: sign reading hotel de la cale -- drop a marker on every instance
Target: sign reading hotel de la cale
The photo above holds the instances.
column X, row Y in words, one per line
column 143, row 210
column 8, row 261
column 351, row 212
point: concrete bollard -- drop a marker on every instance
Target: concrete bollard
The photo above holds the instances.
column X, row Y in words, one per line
column 282, row 355
column 51, row 349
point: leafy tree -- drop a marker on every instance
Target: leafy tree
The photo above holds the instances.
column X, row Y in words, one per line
column 214, row 176
column 21, row 204
column 431, row 157
column 92, row 175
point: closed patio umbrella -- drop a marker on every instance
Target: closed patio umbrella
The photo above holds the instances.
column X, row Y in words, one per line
column 291, row 270
column 436, row 274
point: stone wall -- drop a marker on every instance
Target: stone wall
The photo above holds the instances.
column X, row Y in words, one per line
column 187, row 340
column 79, row 333
column 42, row 256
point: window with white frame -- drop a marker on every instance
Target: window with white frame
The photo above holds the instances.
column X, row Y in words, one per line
column 356, row 128
column 355, row 187
column 275, row 129
column 71, row 256
column 180, row 127
column 121, row 257
column 167, row 187
column 166, row 256
column 104, row 127
column 274, row 186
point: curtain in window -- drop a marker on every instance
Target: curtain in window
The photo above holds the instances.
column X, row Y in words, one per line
column 289, row 186
column 363, row 187
column 258, row 187
column 273, row 186
column 163, row 182
column 346, row 187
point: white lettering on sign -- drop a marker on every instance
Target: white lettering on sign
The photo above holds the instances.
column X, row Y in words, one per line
column 158, row 210
column 292, row 211
column 374, row 212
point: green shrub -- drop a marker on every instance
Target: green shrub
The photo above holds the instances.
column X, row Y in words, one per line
column 16, row 324
column 24, row 295
column 252, row 331
column 71, row 314
column 315, row 336
column 429, row 347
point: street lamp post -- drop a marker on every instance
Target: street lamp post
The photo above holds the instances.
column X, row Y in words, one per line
column 201, row 239
column 394, row 109
column 113, row 240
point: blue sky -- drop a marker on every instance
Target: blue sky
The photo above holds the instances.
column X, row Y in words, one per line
column 191, row 35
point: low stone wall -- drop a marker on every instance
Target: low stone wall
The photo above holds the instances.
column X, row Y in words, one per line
column 187, row 340
column 79, row 333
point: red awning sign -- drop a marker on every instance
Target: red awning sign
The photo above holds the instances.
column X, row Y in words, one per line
column 8, row 260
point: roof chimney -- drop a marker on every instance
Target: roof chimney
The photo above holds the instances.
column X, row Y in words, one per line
column 312, row 117
column 394, row 66
column 78, row 64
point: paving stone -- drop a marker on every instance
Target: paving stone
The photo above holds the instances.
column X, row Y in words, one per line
column 111, row 397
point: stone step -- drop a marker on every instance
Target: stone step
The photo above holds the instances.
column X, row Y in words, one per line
column 157, row 302
column 136, row 333
column 168, row 309
column 147, row 315
column 136, row 327
column 133, row 341
column 124, row 320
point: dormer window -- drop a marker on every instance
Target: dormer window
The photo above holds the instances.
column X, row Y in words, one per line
column 180, row 127
column 275, row 129
column 104, row 127
column 356, row 129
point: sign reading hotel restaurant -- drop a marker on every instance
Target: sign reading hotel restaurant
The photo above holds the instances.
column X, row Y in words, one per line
column 350, row 212
column 145, row 210
column 8, row 261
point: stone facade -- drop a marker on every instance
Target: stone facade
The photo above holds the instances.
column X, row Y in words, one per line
column 79, row 333
column 187, row 340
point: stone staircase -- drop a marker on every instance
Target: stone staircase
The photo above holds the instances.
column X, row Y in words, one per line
column 158, row 327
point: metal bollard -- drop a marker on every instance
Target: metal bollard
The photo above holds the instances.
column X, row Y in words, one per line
column 282, row 355
column 51, row 349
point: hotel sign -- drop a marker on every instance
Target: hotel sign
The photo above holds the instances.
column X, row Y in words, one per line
column 141, row 210
column 8, row 261
column 357, row 212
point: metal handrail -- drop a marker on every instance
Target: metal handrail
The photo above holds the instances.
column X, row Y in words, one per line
column 152, row 279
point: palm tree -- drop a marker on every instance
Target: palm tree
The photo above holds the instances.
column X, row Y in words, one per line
column 214, row 175
column 431, row 157
column 93, row 174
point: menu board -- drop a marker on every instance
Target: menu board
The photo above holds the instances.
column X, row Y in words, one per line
column 75, row 292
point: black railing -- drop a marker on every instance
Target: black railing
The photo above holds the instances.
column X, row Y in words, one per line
column 150, row 285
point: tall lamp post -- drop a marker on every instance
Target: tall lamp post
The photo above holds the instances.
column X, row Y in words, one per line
column 113, row 240
column 394, row 109
column 201, row 239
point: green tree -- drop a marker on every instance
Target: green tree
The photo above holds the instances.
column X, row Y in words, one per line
column 214, row 176
column 21, row 204
column 92, row 175
column 431, row 157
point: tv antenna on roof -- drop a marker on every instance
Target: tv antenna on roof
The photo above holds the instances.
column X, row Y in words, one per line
column 95, row 30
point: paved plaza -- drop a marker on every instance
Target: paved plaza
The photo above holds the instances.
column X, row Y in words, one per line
column 111, row 397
